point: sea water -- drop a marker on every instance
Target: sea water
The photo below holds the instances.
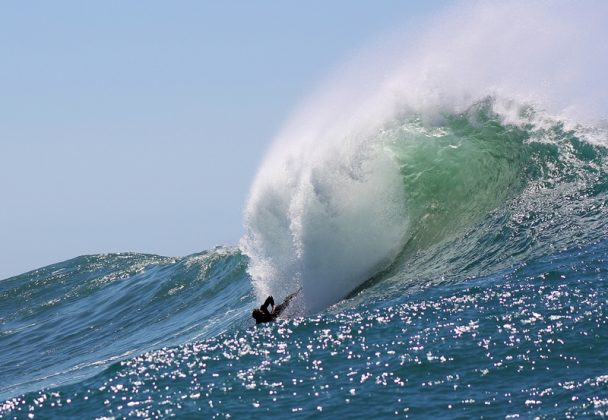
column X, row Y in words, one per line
column 449, row 239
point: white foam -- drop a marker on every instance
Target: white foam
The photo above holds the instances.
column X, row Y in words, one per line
column 327, row 208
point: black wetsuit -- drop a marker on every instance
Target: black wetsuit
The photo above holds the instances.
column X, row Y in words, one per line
column 276, row 310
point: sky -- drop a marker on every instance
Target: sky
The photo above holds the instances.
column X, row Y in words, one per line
column 138, row 126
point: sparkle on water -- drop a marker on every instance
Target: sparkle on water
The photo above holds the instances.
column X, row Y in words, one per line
column 511, row 342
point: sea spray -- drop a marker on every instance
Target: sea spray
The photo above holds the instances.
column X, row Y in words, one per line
column 337, row 199
column 341, row 219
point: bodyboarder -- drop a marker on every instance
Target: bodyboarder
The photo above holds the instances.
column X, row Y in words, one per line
column 262, row 314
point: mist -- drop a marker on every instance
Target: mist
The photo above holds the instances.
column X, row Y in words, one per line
column 327, row 211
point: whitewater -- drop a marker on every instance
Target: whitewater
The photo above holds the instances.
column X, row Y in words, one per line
column 442, row 202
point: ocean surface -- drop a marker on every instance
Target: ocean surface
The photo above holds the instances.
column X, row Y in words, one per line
column 448, row 228
column 496, row 305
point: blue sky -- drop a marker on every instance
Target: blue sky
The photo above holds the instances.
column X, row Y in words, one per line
column 138, row 126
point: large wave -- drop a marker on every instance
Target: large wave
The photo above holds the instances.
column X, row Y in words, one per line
column 487, row 126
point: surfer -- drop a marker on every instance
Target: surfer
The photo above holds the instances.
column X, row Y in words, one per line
column 264, row 315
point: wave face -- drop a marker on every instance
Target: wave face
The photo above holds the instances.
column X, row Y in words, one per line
column 70, row 320
column 419, row 201
column 460, row 148
column 515, row 191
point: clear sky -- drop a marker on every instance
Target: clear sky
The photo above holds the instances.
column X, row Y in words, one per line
column 138, row 126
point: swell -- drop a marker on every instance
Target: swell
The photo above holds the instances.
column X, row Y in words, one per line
column 68, row 320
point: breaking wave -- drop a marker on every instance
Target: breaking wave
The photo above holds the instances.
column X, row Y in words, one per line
column 406, row 176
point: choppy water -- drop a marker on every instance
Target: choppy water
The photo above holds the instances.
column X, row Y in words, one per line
column 527, row 341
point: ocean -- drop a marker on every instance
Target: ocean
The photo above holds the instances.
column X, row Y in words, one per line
column 495, row 306
column 452, row 256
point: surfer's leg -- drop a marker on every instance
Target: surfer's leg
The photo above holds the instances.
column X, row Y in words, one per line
column 291, row 296
column 279, row 308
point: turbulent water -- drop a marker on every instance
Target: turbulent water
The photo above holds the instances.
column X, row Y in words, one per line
column 452, row 256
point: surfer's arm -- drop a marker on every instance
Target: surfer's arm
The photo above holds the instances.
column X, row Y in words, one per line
column 269, row 301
